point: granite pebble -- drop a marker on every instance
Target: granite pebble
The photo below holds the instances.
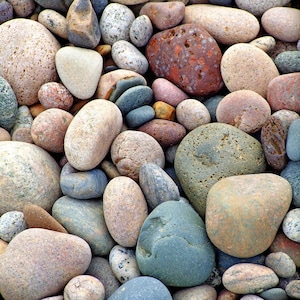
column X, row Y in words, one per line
column 140, row 31
column 288, row 62
column 291, row 225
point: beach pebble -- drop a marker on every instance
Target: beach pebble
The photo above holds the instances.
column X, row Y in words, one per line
column 45, row 258
column 11, row 223
column 274, row 294
column 265, row 43
column 239, row 64
column 79, row 70
column 286, row 117
column 227, row 25
column 291, row 225
column 115, row 23
column 125, row 209
column 211, row 104
column 293, row 290
column 195, row 46
column 227, row 295
column 98, row 122
column 164, row 15
column 218, row 2
column 140, row 31
column 23, row 121
column 281, row 264
column 191, row 113
column 131, row 149
column 164, row 110
column 288, row 62
column 6, row 11
column 3, row 246
column 58, row 5
column 23, row 60
column 204, row 292
column 174, row 232
column 82, row 185
column 123, row 263
column 139, row 116
column 84, row 287
column 23, row 8
column 92, row 228
column 292, row 141
column 4, row 135
column 199, row 161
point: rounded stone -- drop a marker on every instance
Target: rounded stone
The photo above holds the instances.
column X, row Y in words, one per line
column 281, row 264
column 292, row 289
column 265, row 43
column 246, row 67
column 27, row 54
column 29, row 175
column 274, row 294
column 139, row 116
column 288, row 62
column 24, row 8
column 211, row 104
column 98, row 122
column 164, row 110
column 4, row 135
column 199, row 161
column 292, row 141
column 204, row 291
column 174, row 232
column 141, row 31
column 44, row 258
column 125, row 209
column 6, row 11
column 291, row 225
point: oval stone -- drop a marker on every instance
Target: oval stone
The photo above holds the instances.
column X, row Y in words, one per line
column 293, row 140
column 291, row 225
column 288, row 62
column 281, row 264
column 139, row 116
column 141, row 31
column 199, row 161
column 28, row 175
column 251, row 231
column 203, row 291
column 91, row 132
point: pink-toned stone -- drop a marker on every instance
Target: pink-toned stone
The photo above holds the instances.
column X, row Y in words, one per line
column 227, row 295
column 4, row 135
column 3, row 246
column 204, row 291
column 22, row 134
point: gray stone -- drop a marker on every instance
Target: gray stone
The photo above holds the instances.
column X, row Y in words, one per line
column 139, row 116
column 291, row 225
column 274, row 294
column 293, row 140
column 288, row 62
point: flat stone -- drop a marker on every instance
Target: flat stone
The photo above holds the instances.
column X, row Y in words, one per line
column 281, row 264
column 139, row 116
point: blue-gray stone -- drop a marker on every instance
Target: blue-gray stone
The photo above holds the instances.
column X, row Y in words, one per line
column 7, row 11
column 85, row 219
column 58, row 5
column 293, row 141
column 288, row 62
column 82, row 185
column 139, row 116
column 211, row 105
column 142, row 287
column 222, row 2
column 8, row 105
column 292, row 174
column 274, row 294
column 173, row 246
column 99, row 5
column 134, row 97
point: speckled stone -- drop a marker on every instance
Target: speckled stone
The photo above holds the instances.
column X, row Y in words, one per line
column 204, row 291
column 291, row 225
column 292, row 289
column 45, row 258
column 199, row 161
column 23, row 8
column 227, row 25
column 141, row 31
column 115, row 23
column 246, row 67
column 164, row 110
column 23, row 60
column 25, row 168
column 6, row 11
column 292, row 141
column 286, row 117
column 139, row 116
column 59, row 5
column 281, row 264
column 274, row 294
column 195, row 46
column 174, row 232
column 265, row 43
column 281, row 47
column 288, row 62
column 24, row 120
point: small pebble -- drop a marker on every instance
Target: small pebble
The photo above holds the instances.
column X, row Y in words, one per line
column 288, row 62
column 293, row 289
column 286, row 117
column 4, row 135
column 204, row 292
column 265, row 43
column 274, row 294
column 211, row 104
column 281, row 264
column 23, row 8
column 293, row 140
column 141, row 31
column 139, row 116
column 6, row 11
column 164, row 111
column 291, row 225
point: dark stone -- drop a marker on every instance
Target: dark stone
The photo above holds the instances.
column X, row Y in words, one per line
column 139, row 116
column 293, row 141
column 211, row 105
column 288, row 62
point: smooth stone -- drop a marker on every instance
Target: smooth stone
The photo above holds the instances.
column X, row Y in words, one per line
column 34, row 170
column 227, row 25
column 246, row 67
column 288, row 62
column 8, row 105
column 265, row 43
column 248, row 278
column 291, row 225
column 281, row 47
column 281, row 264
column 115, row 23
column 157, row 185
column 140, row 31
column 23, row 8
column 274, row 294
column 219, row 2
column 211, row 104
column 199, row 161
column 44, row 258
column 123, row 263
column 100, row 268
column 11, row 223
column 82, row 185
column 167, row 133
column 134, row 97
column 139, row 116
column 6, row 11
column 146, row 149
column 227, row 295
column 22, row 135
column 283, row 23
column 23, row 60
column 79, row 70
column 204, row 292
column 293, row 140
column 252, row 230
column 84, row 287
column 4, row 135
column 197, row 48
column 174, row 232
column 58, row 5
column 85, row 219
column 127, row 56
column 24, row 119
column 54, row 22
column 192, row 113
column 292, row 289
column 109, row 169
column 37, row 217
column 164, row 111
column 244, row 109
column 164, row 15
column 99, row 122
column 49, row 128
column 257, row 7
column 125, row 209
column 142, row 287
column 283, row 93
column 83, row 28
column 99, row 6
column 251, row 297
column 3, row 246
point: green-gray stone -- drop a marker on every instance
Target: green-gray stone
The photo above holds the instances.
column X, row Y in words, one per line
column 211, row 152
column 173, row 246
column 288, row 62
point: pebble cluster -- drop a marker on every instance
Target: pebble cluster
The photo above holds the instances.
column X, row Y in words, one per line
column 149, row 150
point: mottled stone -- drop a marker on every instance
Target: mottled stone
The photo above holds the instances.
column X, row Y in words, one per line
column 23, row 8
column 199, row 161
column 4, row 135
column 164, row 110
column 200, row 74
column 139, row 116
column 59, row 5
column 291, row 225
column 293, row 289
column 288, row 62
column 292, row 141
column 141, row 31
column 204, row 291
column 44, row 258
column 281, row 264
column 6, row 11
column 227, row 295
column 24, row 120
column 265, row 43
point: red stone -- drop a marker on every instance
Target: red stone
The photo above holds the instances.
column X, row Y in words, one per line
column 188, row 56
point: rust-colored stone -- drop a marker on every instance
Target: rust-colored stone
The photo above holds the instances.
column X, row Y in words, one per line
column 164, row 110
